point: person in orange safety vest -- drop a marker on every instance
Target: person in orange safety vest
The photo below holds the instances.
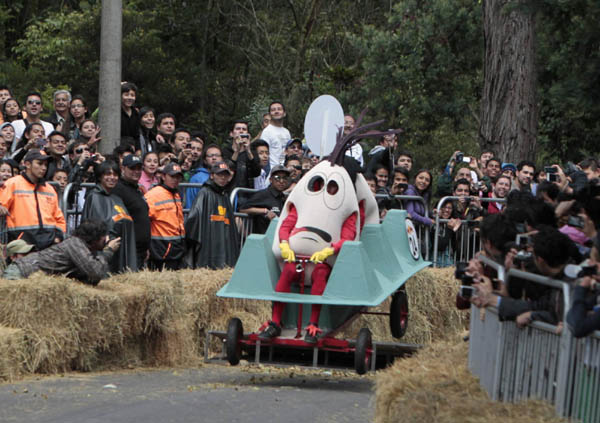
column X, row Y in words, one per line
column 31, row 205
column 167, row 232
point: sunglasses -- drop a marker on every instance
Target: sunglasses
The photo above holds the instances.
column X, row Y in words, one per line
column 297, row 167
column 280, row 178
column 81, row 150
column 34, row 102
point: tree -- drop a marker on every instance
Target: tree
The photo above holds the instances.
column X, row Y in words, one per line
column 508, row 105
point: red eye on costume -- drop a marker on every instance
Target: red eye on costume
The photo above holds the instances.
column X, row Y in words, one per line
column 332, row 187
column 316, row 184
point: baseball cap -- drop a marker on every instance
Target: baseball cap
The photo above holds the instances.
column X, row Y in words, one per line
column 173, row 169
column 131, row 160
column 279, row 168
column 293, row 140
column 18, row 246
column 220, row 167
column 509, row 166
column 35, row 154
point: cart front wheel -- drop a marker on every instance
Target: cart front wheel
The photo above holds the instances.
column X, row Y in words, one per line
column 363, row 351
column 399, row 314
column 233, row 346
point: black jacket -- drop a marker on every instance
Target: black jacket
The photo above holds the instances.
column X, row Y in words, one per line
column 269, row 198
column 210, row 230
column 138, row 209
column 245, row 169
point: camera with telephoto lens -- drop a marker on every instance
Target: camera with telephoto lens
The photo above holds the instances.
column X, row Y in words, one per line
column 523, row 256
column 461, row 273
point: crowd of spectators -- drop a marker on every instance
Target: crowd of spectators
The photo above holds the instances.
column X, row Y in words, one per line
column 137, row 198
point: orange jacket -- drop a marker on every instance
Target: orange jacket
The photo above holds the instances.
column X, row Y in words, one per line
column 167, row 233
column 34, row 212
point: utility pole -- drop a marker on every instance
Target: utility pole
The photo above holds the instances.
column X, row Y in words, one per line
column 109, row 102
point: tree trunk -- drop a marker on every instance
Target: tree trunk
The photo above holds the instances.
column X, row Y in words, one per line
column 109, row 101
column 508, row 107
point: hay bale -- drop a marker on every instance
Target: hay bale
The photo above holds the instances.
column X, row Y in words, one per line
column 433, row 315
column 12, row 353
column 435, row 385
column 162, row 318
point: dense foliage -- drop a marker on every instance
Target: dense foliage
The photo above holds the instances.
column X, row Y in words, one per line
column 417, row 64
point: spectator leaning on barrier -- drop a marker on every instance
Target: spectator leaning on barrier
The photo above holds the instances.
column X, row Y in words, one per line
column 584, row 315
column 466, row 208
column 167, row 244
column 130, row 193
column 210, row 229
column 31, row 205
column 103, row 205
column 422, row 188
column 266, row 204
column 84, row 256
column 550, row 255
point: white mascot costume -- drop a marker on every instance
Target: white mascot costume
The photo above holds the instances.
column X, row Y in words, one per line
column 328, row 206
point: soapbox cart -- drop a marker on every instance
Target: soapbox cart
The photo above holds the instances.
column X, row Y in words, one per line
column 365, row 273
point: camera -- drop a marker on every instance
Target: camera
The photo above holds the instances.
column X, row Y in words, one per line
column 461, row 273
column 467, row 201
column 188, row 145
column 576, row 222
column 574, row 271
column 245, row 136
column 466, row 291
column 523, row 256
column 41, row 142
column 276, row 210
column 459, row 157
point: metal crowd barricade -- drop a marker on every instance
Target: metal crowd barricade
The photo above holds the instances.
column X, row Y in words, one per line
column 536, row 361
column 467, row 238
column 423, row 231
column 584, row 400
column 244, row 221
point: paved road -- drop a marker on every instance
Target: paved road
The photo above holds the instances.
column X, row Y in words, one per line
column 212, row 393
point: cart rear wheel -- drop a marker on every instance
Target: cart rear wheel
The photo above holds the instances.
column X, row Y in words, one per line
column 363, row 351
column 233, row 347
column 399, row 314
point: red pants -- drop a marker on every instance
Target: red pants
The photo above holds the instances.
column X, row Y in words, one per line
column 289, row 276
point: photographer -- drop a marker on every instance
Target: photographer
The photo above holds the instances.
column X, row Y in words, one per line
column 266, row 204
column 551, row 253
column 497, row 232
column 584, row 316
column 247, row 165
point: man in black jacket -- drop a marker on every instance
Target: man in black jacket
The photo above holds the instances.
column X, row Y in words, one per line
column 128, row 190
column 247, row 165
column 266, row 204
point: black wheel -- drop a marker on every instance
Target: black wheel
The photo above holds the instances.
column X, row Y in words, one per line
column 399, row 314
column 362, row 352
column 233, row 347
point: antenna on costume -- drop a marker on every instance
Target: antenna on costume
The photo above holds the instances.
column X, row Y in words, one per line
column 343, row 143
